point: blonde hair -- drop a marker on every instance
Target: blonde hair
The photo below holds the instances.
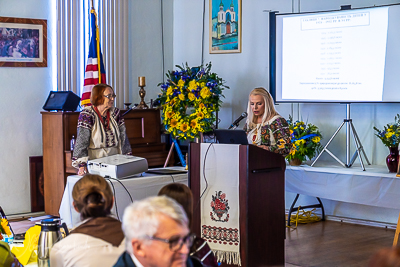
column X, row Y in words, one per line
column 269, row 107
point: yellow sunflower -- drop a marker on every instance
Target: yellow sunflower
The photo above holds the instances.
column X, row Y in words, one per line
column 174, row 123
column 184, row 127
column 169, row 114
column 200, row 115
column 193, row 123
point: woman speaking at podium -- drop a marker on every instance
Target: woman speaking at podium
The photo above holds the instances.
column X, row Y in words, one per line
column 264, row 126
column 101, row 129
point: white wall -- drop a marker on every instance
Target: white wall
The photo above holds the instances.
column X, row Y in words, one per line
column 23, row 93
column 145, row 42
column 250, row 68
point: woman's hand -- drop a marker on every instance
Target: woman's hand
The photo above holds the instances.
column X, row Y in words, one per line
column 82, row 171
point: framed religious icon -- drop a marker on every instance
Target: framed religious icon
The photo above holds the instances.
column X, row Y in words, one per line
column 225, row 26
column 23, row 42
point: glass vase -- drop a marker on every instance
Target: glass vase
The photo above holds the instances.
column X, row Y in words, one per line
column 392, row 160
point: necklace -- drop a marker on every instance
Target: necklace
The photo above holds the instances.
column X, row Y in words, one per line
column 107, row 124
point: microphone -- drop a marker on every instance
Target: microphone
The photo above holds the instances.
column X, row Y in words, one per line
column 236, row 122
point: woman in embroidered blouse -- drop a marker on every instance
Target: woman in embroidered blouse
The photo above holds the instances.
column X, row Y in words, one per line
column 101, row 129
column 264, row 126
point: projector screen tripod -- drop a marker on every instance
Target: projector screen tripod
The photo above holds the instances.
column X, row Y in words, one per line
column 359, row 148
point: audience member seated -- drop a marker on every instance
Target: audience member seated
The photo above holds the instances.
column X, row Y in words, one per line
column 98, row 240
column 200, row 251
column 386, row 257
column 7, row 259
column 156, row 233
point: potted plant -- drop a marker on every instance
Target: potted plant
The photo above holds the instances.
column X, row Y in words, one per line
column 306, row 141
column 390, row 137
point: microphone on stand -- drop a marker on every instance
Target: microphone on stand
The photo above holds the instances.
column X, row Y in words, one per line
column 236, row 122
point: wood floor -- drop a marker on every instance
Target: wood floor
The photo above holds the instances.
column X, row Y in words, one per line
column 331, row 243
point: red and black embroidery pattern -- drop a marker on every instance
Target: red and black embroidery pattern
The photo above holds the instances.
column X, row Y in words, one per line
column 221, row 235
column 220, row 207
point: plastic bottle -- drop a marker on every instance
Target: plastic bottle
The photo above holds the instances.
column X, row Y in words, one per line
column 72, row 143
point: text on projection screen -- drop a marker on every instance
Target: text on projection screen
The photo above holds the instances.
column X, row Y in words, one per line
column 343, row 68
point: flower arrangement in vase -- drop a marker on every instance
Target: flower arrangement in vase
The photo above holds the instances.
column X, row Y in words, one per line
column 189, row 99
column 390, row 137
column 306, row 141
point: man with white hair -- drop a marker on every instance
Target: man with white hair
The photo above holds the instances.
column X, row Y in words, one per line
column 157, row 234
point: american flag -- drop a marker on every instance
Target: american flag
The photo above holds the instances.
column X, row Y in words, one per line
column 94, row 62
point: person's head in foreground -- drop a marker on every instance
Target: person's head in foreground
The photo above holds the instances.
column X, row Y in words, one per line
column 386, row 257
column 92, row 197
column 156, row 232
column 182, row 194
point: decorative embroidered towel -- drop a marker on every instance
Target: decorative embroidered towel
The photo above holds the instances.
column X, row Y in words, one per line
column 220, row 200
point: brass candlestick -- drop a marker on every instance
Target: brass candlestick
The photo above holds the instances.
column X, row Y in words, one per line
column 142, row 93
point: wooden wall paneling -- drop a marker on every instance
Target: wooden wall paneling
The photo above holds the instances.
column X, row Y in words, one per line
column 37, row 183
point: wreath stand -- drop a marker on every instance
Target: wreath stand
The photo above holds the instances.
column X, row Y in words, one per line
column 178, row 150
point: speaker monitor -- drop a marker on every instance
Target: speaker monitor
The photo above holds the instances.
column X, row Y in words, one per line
column 62, row 100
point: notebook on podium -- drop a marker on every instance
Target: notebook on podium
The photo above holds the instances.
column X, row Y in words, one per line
column 225, row 136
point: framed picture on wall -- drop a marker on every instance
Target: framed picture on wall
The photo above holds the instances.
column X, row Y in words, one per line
column 23, row 42
column 225, row 26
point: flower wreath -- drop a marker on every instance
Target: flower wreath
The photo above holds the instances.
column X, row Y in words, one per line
column 189, row 100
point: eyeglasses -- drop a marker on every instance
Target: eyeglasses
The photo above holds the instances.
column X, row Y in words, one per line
column 111, row 96
column 176, row 243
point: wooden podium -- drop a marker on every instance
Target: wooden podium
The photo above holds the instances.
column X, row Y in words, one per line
column 261, row 203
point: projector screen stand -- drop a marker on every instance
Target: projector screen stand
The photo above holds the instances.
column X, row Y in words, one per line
column 359, row 148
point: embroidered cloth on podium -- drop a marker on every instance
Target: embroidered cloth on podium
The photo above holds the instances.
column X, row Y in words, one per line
column 220, row 201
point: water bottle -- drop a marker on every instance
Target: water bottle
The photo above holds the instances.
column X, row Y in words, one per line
column 72, row 143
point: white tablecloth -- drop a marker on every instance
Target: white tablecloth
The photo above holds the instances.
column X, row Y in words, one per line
column 138, row 186
column 373, row 187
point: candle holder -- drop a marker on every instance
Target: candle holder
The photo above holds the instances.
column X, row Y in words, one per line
column 142, row 93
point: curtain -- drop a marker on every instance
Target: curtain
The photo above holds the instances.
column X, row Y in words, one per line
column 69, row 45
column 73, row 42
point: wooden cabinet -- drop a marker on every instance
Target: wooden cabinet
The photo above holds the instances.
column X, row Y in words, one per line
column 143, row 128
column 57, row 131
